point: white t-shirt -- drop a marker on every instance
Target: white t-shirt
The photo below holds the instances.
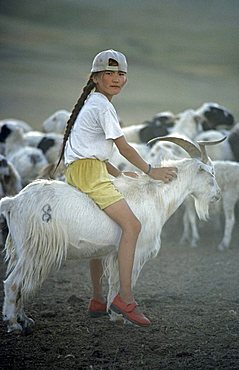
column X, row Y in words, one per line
column 93, row 132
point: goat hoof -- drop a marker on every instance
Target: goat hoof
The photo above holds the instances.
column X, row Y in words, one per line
column 26, row 322
column 31, row 322
column 194, row 245
column 127, row 322
column 221, row 247
column 14, row 329
column 115, row 317
column 27, row 331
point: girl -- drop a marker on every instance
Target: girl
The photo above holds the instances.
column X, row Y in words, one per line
column 91, row 131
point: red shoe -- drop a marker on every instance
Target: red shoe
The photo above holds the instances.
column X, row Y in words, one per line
column 97, row 309
column 129, row 311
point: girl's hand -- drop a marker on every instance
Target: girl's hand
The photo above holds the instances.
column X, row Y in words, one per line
column 130, row 174
column 165, row 174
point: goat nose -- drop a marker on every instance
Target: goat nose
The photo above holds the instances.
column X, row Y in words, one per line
column 3, row 163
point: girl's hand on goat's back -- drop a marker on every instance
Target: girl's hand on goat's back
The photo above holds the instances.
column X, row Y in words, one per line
column 165, row 174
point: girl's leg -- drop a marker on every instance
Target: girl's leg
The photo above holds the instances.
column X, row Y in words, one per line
column 96, row 271
column 124, row 303
column 121, row 213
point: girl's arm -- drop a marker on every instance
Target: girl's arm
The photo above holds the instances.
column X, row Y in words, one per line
column 165, row 174
column 113, row 171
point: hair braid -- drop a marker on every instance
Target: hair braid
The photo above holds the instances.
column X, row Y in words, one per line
column 70, row 123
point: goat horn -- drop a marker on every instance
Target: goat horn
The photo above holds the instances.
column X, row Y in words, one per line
column 193, row 149
column 202, row 145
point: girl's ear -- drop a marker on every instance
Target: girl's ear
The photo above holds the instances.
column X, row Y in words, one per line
column 95, row 78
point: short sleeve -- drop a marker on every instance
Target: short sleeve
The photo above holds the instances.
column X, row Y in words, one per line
column 110, row 124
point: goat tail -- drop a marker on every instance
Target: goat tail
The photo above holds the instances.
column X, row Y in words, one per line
column 33, row 251
column 10, row 254
column 43, row 251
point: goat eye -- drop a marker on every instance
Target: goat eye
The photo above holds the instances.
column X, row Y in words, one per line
column 201, row 169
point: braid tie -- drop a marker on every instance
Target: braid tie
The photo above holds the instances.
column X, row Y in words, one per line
column 70, row 123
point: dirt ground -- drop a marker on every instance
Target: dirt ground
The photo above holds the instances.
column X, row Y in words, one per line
column 191, row 296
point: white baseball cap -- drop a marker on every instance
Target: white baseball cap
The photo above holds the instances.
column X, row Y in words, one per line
column 101, row 61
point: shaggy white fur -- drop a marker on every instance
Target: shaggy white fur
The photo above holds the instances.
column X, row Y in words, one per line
column 49, row 218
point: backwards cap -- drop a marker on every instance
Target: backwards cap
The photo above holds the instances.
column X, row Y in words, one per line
column 101, row 61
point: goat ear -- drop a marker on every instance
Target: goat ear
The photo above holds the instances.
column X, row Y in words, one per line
column 201, row 168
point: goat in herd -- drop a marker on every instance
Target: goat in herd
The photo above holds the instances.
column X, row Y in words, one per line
column 49, row 218
column 227, row 175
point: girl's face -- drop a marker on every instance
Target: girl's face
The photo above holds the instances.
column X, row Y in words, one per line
column 110, row 83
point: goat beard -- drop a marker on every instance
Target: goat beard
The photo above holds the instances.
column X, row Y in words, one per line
column 202, row 208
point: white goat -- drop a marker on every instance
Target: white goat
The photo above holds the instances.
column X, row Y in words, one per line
column 50, row 144
column 49, row 218
column 227, row 176
column 219, row 152
column 131, row 132
column 122, row 163
column 163, row 150
column 56, row 122
column 13, row 123
column 53, row 173
column 7, row 126
column 27, row 160
column 158, row 126
column 10, row 180
column 191, row 124
column 188, row 123
column 159, row 152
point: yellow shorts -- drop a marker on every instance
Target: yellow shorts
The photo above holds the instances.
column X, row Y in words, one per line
column 91, row 177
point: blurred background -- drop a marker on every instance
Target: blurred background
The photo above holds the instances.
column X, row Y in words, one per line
column 181, row 53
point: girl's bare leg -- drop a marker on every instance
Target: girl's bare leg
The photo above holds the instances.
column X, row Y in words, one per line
column 121, row 213
column 96, row 271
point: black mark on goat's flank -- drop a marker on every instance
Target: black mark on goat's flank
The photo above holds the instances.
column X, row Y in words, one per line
column 46, row 215
column 45, row 144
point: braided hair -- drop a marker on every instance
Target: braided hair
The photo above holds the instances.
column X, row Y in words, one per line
column 70, row 123
column 79, row 104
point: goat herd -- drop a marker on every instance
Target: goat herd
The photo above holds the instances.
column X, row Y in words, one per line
column 46, row 219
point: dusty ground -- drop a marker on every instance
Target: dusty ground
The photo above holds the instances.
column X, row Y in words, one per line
column 191, row 296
